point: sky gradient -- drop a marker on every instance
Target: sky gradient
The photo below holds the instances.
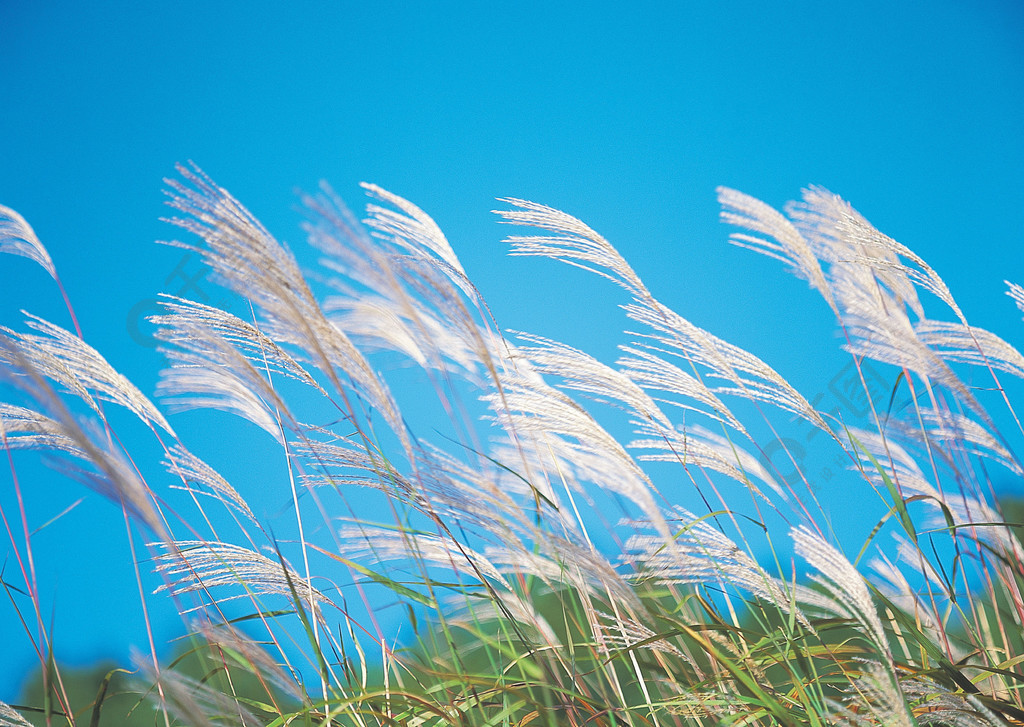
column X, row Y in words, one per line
column 627, row 116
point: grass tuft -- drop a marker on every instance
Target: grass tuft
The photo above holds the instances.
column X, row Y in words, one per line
column 538, row 539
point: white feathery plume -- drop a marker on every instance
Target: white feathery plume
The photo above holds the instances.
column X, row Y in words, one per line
column 110, row 474
column 952, row 430
column 553, row 560
column 577, row 244
column 374, row 322
column 700, row 553
column 680, row 446
column 500, row 606
column 567, row 435
column 748, row 464
column 410, row 292
column 186, row 319
column 241, row 252
column 845, row 587
column 42, row 363
column 18, row 238
column 958, row 343
column 935, row 704
column 879, row 328
column 652, row 372
column 194, row 471
column 339, row 350
column 341, row 465
column 627, row 633
column 878, row 325
column 428, row 339
column 441, row 305
column 884, row 448
column 335, row 231
column 962, row 507
column 115, row 479
column 843, row 236
column 219, row 361
column 558, row 561
column 215, row 375
column 246, row 258
column 196, row 566
column 904, row 471
column 22, row 428
column 569, row 444
column 910, row 555
column 787, row 246
column 472, row 494
column 873, row 287
column 359, row 265
column 581, row 372
column 873, row 698
column 247, row 653
column 68, row 360
column 8, row 717
column 193, row 702
column 840, row 236
column 699, row 447
column 529, row 476
column 386, row 545
column 415, row 231
column 895, row 586
column 1017, row 293
column 751, row 377
column 928, row 280
column 441, row 486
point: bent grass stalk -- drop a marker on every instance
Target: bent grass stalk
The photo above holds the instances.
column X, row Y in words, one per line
column 517, row 614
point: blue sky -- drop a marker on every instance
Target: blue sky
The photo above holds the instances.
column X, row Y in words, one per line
column 627, row 115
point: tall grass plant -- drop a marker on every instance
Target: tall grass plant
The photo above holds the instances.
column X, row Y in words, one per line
column 574, row 541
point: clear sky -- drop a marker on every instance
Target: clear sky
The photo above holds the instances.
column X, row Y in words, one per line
column 627, row 115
